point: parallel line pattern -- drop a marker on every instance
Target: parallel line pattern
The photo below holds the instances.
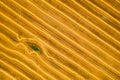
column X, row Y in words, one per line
column 59, row 40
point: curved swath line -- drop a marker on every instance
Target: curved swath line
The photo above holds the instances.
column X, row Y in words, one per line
column 111, row 5
column 103, row 11
column 65, row 70
column 46, row 63
column 28, row 64
column 67, row 59
column 20, row 64
column 40, row 70
column 99, row 29
column 18, row 72
column 56, row 72
column 6, row 73
column 23, row 63
column 95, row 16
column 52, row 60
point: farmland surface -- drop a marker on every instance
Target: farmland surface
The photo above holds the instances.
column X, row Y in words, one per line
column 59, row 39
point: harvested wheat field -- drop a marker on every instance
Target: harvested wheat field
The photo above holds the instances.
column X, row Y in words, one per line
column 59, row 39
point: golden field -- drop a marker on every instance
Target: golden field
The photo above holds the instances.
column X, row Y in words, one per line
column 59, row 39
